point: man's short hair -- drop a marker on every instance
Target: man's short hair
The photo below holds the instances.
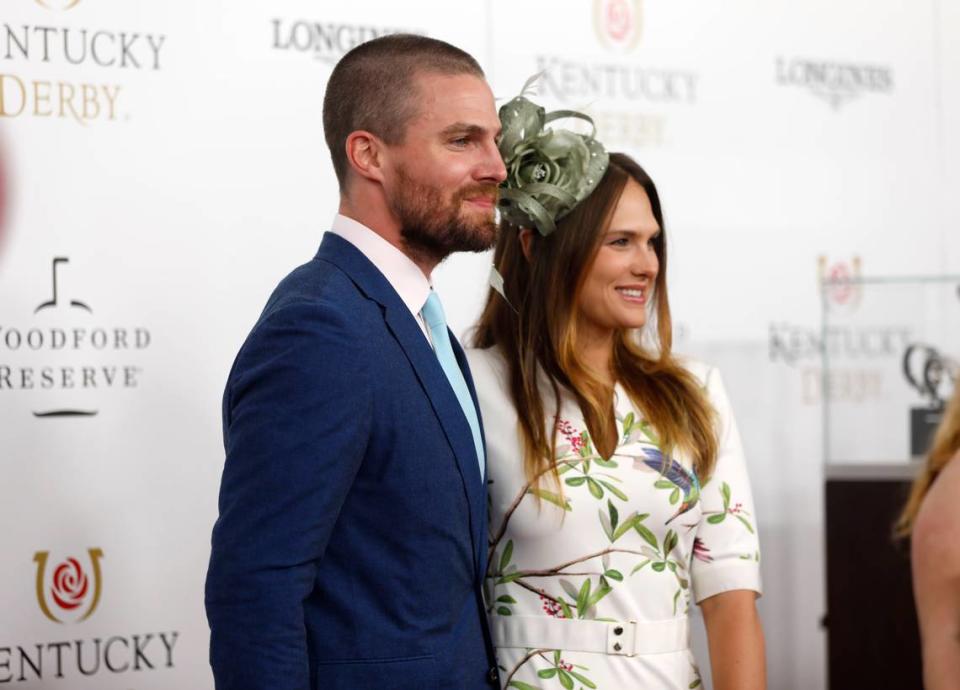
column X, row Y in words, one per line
column 373, row 88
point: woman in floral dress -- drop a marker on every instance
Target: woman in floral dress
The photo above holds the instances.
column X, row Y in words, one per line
column 619, row 493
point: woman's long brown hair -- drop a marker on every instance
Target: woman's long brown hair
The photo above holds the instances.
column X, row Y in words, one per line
column 542, row 334
column 946, row 444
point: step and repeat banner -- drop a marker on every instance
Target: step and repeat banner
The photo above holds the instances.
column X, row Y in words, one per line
column 162, row 166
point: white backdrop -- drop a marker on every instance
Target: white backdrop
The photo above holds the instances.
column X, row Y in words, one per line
column 173, row 155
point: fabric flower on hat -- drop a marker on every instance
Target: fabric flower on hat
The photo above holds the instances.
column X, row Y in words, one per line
column 549, row 171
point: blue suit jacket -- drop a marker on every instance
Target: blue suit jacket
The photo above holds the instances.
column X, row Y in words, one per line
column 350, row 547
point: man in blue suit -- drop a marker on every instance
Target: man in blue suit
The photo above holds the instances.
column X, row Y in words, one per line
column 350, row 547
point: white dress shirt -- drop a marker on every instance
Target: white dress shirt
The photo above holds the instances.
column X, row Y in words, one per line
column 403, row 275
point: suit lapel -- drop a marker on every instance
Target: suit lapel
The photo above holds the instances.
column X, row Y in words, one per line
column 424, row 361
column 445, row 406
column 481, row 538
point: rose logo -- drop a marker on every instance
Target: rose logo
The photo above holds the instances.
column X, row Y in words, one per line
column 618, row 23
column 70, row 586
column 841, row 281
column 618, row 20
column 839, row 275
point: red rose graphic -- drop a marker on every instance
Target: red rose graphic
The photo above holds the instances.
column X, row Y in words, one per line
column 69, row 584
column 618, row 19
column 842, row 287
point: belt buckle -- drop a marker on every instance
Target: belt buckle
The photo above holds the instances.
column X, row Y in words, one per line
column 622, row 638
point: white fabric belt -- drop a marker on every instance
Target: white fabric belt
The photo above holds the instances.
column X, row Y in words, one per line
column 623, row 638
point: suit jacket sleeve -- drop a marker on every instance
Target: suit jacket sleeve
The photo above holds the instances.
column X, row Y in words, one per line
column 296, row 423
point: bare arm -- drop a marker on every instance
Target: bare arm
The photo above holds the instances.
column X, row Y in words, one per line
column 936, row 579
column 735, row 638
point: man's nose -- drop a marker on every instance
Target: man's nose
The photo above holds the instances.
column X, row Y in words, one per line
column 492, row 168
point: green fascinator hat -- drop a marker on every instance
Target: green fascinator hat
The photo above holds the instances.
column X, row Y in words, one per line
column 549, row 171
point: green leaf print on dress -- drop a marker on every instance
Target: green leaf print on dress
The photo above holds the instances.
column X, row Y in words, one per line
column 634, row 430
column 613, row 528
column 737, row 511
column 661, row 562
column 558, row 670
column 578, row 456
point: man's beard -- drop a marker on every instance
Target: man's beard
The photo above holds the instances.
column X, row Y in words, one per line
column 433, row 229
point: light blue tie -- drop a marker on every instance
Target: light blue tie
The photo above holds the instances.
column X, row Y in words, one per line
column 433, row 314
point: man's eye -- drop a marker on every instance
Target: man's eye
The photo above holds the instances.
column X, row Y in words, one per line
column 460, row 141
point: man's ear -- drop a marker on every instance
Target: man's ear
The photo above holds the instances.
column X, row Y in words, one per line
column 526, row 241
column 365, row 154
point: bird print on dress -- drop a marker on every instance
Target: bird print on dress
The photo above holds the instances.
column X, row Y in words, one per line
column 675, row 477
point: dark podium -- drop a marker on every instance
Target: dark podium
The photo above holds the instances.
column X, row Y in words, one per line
column 872, row 636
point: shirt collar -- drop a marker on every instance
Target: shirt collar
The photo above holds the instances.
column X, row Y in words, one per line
column 404, row 276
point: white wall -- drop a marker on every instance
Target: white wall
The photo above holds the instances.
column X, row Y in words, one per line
column 211, row 180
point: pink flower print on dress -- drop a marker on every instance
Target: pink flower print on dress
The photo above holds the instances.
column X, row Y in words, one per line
column 572, row 436
column 700, row 551
column 552, row 608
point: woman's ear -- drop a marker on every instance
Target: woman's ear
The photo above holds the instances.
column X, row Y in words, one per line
column 526, row 241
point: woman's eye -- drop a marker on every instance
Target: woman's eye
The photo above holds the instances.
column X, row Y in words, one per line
column 620, row 242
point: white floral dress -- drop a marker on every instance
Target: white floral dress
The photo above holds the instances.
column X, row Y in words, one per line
column 590, row 587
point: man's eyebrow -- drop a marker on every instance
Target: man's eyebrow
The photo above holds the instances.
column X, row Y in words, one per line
column 466, row 128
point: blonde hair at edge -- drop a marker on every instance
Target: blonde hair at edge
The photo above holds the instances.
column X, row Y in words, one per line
column 541, row 336
column 946, row 443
